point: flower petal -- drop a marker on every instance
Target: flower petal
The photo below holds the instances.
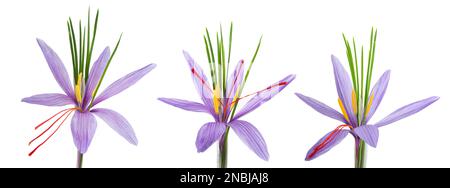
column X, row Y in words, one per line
column 123, row 83
column 344, row 88
column 322, row 108
column 263, row 96
column 185, row 105
column 377, row 94
column 83, row 129
column 118, row 123
column 208, row 134
column 94, row 76
column 57, row 68
column 326, row 143
column 406, row 111
column 251, row 137
column 235, row 80
column 200, row 81
column 368, row 133
column 49, row 99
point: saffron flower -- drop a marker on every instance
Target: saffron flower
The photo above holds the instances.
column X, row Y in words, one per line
column 357, row 106
column 82, row 94
column 220, row 99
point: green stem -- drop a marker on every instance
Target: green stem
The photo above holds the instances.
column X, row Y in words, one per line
column 223, row 150
column 360, row 153
column 79, row 160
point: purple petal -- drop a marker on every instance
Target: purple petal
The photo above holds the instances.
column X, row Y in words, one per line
column 322, row 108
column 83, row 129
column 57, row 68
column 235, row 80
column 251, row 137
column 344, row 88
column 123, row 83
column 49, row 99
column 368, row 133
column 378, row 92
column 326, row 143
column 94, row 76
column 264, row 96
column 406, row 111
column 118, row 123
column 208, row 134
column 200, row 81
column 185, row 105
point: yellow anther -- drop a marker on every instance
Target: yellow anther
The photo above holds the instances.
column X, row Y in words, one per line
column 354, row 101
column 78, row 88
column 216, row 100
column 369, row 105
column 343, row 110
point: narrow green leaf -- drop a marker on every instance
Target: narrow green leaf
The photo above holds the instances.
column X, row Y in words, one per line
column 350, row 60
column 91, row 47
column 74, row 66
column 74, row 47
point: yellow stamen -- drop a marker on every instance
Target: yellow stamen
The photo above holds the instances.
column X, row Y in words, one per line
column 216, row 100
column 343, row 110
column 78, row 88
column 354, row 101
column 233, row 102
column 369, row 105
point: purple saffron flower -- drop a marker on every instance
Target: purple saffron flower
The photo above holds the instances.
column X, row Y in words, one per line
column 357, row 123
column 220, row 108
column 81, row 96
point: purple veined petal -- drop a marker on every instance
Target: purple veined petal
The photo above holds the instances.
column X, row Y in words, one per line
column 57, row 67
column 94, row 76
column 200, row 81
column 322, row 108
column 263, row 96
column 118, row 123
column 123, row 83
column 368, row 133
column 208, row 134
column 344, row 88
column 235, row 80
column 49, row 99
column 406, row 111
column 251, row 137
column 377, row 93
column 185, row 105
column 327, row 142
column 83, row 129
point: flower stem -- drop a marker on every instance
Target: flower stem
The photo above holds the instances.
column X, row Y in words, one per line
column 223, row 150
column 360, row 153
column 79, row 160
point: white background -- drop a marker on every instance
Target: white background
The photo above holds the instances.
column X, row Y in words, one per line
column 299, row 37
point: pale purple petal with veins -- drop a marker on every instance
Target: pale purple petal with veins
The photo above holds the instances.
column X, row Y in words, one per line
column 322, row 108
column 94, row 76
column 49, row 99
column 251, row 137
column 200, row 81
column 185, row 105
column 118, row 123
column 378, row 92
column 264, row 96
column 406, row 111
column 344, row 88
column 368, row 133
column 123, row 83
column 208, row 134
column 83, row 129
column 326, row 143
column 57, row 67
